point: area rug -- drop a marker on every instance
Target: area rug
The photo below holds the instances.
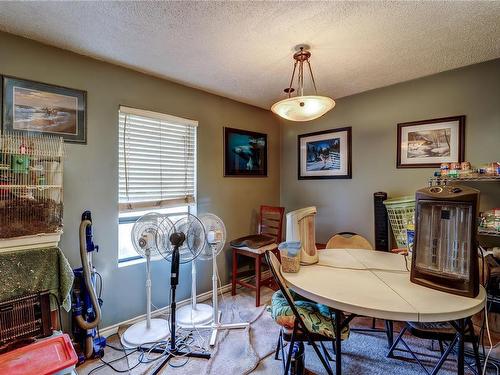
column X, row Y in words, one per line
column 236, row 351
column 240, row 351
column 251, row 350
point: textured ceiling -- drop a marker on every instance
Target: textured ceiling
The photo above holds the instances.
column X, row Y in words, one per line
column 242, row 50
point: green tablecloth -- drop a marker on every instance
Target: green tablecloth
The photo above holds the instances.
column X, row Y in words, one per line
column 35, row 270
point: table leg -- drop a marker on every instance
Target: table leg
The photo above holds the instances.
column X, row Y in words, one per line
column 389, row 327
column 235, row 272
column 258, row 261
column 460, row 343
column 475, row 345
column 338, row 342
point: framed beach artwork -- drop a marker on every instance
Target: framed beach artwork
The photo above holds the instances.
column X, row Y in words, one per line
column 325, row 154
column 245, row 153
column 30, row 106
column 428, row 143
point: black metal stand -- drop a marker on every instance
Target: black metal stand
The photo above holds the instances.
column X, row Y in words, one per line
column 176, row 239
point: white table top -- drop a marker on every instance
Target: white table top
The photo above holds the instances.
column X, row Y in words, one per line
column 377, row 284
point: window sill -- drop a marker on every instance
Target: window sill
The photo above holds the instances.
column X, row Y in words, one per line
column 132, row 262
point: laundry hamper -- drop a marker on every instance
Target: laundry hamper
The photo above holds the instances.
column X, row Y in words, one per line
column 401, row 212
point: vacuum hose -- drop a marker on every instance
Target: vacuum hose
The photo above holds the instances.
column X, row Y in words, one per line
column 88, row 284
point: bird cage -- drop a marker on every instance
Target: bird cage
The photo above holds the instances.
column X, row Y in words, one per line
column 31, row 190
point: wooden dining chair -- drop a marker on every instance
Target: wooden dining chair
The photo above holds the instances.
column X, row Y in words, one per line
column 351, row 240
column 271, row 224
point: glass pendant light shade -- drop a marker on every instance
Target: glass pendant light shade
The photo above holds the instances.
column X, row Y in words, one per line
column 303, row 108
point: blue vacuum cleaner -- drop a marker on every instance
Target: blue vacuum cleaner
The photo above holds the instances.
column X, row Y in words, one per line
column 86, row 305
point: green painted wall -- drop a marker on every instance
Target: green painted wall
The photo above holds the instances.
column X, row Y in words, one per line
column 347, row 205
column 91, row 171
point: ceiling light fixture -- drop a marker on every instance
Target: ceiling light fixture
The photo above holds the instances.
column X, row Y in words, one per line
column 302, row 107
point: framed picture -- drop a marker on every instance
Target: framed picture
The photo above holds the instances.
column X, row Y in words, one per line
column 428, row 143
column 245, row 153
column 325, row 154
column 30, row 106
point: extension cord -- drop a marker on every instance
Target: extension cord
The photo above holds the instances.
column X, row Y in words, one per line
column 470, row 353
column 489, row 338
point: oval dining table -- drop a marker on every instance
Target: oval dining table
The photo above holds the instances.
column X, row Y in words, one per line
column 377, row 284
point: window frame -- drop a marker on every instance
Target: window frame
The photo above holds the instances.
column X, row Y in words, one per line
column 192, row 208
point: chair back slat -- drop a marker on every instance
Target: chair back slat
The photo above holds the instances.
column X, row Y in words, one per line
column 264, row 229
column 348, row 240
column 271, row 221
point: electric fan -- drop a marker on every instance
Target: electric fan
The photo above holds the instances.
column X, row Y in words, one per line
column 215, row 239
column 196, row 314
column 144, row 237
column 181, row 243
column 187, row 236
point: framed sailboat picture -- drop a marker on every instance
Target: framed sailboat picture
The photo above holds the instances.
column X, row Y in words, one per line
column 30, row 106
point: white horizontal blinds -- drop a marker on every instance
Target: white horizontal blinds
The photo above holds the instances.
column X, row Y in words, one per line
column 157, row 157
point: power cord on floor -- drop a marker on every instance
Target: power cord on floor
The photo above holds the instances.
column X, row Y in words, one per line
column 489, row 339
column 485, row 321
column 183, row 342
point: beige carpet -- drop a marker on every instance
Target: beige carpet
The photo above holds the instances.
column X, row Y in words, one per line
column 236, row 351
column 251, row 351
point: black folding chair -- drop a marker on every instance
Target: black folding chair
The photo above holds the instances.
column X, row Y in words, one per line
column 446, row 334
column 300, row 333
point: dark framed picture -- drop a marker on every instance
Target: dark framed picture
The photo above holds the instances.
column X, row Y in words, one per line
column 245, row 153
column 428, row 143
column 325, row 154
column 30, row 106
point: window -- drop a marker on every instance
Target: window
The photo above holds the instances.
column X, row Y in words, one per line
column 157, row 169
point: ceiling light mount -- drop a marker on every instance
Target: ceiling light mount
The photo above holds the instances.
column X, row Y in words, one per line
column 302, row 55
column 302, row 107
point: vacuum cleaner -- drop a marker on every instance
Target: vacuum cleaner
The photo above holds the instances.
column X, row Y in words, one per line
column 86, row 305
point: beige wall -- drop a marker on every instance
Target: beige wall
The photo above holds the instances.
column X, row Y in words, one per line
column 91, row 173
column 347, row 205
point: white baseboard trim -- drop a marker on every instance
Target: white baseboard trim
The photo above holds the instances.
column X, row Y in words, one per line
column 112, row 329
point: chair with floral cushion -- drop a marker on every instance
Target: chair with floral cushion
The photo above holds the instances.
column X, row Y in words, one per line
column 301, row 320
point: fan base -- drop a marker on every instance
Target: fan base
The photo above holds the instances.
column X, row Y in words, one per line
column 138, row 334
column 187, row 317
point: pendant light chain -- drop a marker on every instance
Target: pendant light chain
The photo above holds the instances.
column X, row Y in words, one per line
column 312, row 77
column 291, row 80
column 301, row 78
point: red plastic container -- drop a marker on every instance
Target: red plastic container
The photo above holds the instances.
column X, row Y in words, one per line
column 44, row 357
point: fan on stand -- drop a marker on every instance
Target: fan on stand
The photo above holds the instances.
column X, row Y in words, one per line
column 182, row 243
column 144, row 239
column 215, row 239
column 195, row 314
